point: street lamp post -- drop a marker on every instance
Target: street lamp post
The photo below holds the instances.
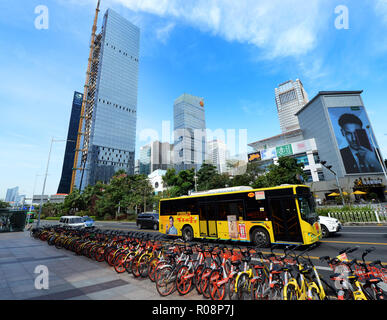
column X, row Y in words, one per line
column 33, row 191
column 323, row 163
column 45, row 178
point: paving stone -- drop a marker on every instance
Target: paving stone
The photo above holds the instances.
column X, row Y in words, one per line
column 70, row 276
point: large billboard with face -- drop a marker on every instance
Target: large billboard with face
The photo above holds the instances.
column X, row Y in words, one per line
column 353, row 135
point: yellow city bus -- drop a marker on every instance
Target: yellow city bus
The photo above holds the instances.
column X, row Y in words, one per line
column 283, row 215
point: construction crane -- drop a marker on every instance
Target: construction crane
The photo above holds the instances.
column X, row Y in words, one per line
column 87, row 102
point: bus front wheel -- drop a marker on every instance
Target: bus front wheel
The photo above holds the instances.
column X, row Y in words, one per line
column 187, row 233
column 260, row 238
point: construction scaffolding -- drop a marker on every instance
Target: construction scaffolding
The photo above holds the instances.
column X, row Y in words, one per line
column 88, row 102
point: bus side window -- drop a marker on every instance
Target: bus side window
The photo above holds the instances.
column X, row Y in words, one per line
column 235, row 208
column 222, row 211
column 256, row 209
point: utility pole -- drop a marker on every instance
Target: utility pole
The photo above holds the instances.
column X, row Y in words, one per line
column 323, row 163
column 45, row 179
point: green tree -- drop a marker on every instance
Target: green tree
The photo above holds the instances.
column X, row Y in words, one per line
column 288, row 171
column 169, row 181
column 4, row 204
column 74, row 202
column 50, row 209
column 179, row 184
column 206, row 176
column 90, row 196
column 253, row 172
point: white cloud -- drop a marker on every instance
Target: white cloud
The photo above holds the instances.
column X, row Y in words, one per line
column 280, row 28
column 163, row 33
column 381, row 9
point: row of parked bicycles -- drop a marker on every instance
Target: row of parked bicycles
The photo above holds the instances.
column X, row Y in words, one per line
column 221, row 272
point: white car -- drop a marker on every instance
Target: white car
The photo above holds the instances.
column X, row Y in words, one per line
column 329, row 225
column 72, row 221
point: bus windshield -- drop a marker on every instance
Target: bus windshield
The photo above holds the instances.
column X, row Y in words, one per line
column 307, row 207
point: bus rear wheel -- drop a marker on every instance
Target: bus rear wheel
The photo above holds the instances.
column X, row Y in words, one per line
column 187, row 233
column 260, row 238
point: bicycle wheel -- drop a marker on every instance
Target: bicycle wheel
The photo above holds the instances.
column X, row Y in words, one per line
column 143, row 265
column 166, row 281
column 217, row 292
column 313, row 294
column 231, row 287
column 198, row 273
column 243, row 287
column 253, row 288
column 119, row 263
column 128, row 262
column 135, row 265
column 290, row 292
column 204, row 280
column 260, row 290
column 111, row 257
column 183, row 281
column 99, row 254
column 152, row 268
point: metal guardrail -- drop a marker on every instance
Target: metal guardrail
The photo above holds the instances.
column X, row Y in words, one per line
column 376, row 216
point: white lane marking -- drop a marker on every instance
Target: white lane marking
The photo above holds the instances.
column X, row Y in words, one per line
column 363, row 233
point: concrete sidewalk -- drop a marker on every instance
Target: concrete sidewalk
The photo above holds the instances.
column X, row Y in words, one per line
column 70, row 276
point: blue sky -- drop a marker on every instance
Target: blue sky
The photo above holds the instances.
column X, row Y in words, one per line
column 232, row 53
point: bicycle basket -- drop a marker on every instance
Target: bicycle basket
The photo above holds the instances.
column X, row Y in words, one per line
column 379, row 273
column 361, row 272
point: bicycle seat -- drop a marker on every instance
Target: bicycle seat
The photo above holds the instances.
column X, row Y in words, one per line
column 258, row 265
column 373, row 279
column 276, row 269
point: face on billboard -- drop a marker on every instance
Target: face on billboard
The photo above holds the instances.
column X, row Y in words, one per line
column 353, row 138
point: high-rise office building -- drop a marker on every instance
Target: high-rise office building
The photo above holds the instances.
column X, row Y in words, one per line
column 109, row 128
column 68, row 161
column 290, row 97
column 155, row 155
column 189, row 132
column 217, row 155
column 12, row 194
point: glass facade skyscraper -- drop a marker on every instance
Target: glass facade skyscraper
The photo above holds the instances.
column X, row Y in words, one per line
column 12, row 194
column 68, row 161
column 189, row 132
column 290, row 97
column 110, row 120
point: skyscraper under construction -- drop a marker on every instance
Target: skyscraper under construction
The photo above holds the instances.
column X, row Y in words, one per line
column 106, row 141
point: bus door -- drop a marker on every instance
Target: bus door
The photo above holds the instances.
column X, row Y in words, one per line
column 207, row 219
column 286, row 224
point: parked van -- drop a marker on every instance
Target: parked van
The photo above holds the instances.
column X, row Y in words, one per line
column 72, row 221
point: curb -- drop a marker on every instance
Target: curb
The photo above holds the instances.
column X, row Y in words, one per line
column 381, row 224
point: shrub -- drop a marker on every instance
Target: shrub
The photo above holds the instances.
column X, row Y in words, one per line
column 52, row 218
